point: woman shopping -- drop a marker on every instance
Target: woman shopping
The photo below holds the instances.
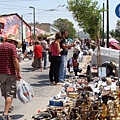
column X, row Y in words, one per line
column 55, row 60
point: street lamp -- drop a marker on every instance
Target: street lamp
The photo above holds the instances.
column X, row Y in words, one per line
column 33, row 19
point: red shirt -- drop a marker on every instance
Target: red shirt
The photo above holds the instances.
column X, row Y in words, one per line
column 7, row 53
column 54, row 50
column 38, row 51
column 74, row 63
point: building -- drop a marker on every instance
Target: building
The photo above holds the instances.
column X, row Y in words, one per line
column 14, row 24
column 49, row 28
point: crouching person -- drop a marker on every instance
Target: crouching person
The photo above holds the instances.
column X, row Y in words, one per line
column 73, row 63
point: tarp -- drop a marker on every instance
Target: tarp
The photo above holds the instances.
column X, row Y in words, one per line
column 113, row 40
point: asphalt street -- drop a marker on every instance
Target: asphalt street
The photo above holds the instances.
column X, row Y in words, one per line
column 43, row 90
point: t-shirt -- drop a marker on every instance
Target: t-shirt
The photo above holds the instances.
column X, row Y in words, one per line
column 38, row 51
column 7, row 53
column 44, row 45
column 64, row 51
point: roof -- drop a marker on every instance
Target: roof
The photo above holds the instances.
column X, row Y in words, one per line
column 16, row 15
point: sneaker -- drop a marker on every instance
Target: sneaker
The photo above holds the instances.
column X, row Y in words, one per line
column 6, row 117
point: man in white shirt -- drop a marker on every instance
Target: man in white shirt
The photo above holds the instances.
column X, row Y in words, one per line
column 45, row 48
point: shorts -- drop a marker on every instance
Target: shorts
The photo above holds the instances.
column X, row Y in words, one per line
column 8, row 85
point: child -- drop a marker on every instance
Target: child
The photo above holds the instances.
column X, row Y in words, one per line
column 73, row 63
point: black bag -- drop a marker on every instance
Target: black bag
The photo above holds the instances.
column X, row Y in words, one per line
column 68, row 64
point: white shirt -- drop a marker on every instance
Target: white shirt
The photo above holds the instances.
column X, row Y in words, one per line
column 44, row 45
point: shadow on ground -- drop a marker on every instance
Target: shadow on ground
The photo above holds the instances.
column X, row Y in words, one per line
column 14, row 117
column 42, row 80
column 26, row 70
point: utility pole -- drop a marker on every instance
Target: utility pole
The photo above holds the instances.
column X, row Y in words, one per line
column 107, row 23
column 22, row 28
column 103, row 25
column 33, row 19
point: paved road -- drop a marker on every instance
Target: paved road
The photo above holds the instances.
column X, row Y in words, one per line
column 44, row 91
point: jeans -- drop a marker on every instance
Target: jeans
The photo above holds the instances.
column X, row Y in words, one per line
column 44, row 57
column 63, row 65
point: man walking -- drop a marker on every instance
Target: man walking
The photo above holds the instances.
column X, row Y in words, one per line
column 9, row 72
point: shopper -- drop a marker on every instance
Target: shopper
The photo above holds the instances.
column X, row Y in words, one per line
column 9, row 72
column 37, row 63
column 45, row 49
column 65, row 46
column 74, row 64
column 55, row 60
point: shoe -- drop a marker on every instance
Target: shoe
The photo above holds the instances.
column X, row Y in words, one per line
column 11, row 109
column 34, row 69
column 6, row 117
column 53, row 83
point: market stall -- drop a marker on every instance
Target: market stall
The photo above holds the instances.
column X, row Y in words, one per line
column 82, row 100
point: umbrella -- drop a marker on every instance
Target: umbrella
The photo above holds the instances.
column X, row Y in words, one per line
column 113, row 40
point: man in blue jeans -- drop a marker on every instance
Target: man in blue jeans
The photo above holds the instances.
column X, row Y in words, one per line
column 65, row 46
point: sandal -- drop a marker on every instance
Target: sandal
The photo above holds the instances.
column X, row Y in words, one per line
column 6, row 117
column 11, row 109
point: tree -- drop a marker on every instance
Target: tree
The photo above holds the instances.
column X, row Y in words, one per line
column 87, row 14
column 112, row 33
column 117, row 30
column 65, row 24
column 116, row 33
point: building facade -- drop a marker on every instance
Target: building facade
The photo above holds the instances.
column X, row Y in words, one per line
column 14, row 24
column 49, row 28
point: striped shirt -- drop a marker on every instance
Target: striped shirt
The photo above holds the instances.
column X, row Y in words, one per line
column 7, row 53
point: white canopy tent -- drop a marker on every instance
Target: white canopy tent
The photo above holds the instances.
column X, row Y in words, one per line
column 51, row 37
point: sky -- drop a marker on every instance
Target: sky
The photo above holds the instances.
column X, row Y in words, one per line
column 47, row 11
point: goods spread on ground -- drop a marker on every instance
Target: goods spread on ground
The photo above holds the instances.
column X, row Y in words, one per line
column 98, row 99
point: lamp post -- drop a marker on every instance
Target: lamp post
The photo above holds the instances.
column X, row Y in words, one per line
column 107, row 23
column 33, row 19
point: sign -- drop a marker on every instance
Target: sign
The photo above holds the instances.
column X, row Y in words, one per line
column 117, row 10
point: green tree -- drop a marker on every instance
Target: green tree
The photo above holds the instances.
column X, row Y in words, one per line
column 87, row 14
column 113, row 33
column 117, row 30
column 65, row 24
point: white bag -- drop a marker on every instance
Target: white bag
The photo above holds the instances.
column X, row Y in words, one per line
column 71, row 69
column 24, row 91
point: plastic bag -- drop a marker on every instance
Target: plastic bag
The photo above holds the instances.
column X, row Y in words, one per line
column 25, row 92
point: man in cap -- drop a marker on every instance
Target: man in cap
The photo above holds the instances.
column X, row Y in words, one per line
column 9, row 72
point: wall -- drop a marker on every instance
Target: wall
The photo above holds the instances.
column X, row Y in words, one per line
column 13, row 25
